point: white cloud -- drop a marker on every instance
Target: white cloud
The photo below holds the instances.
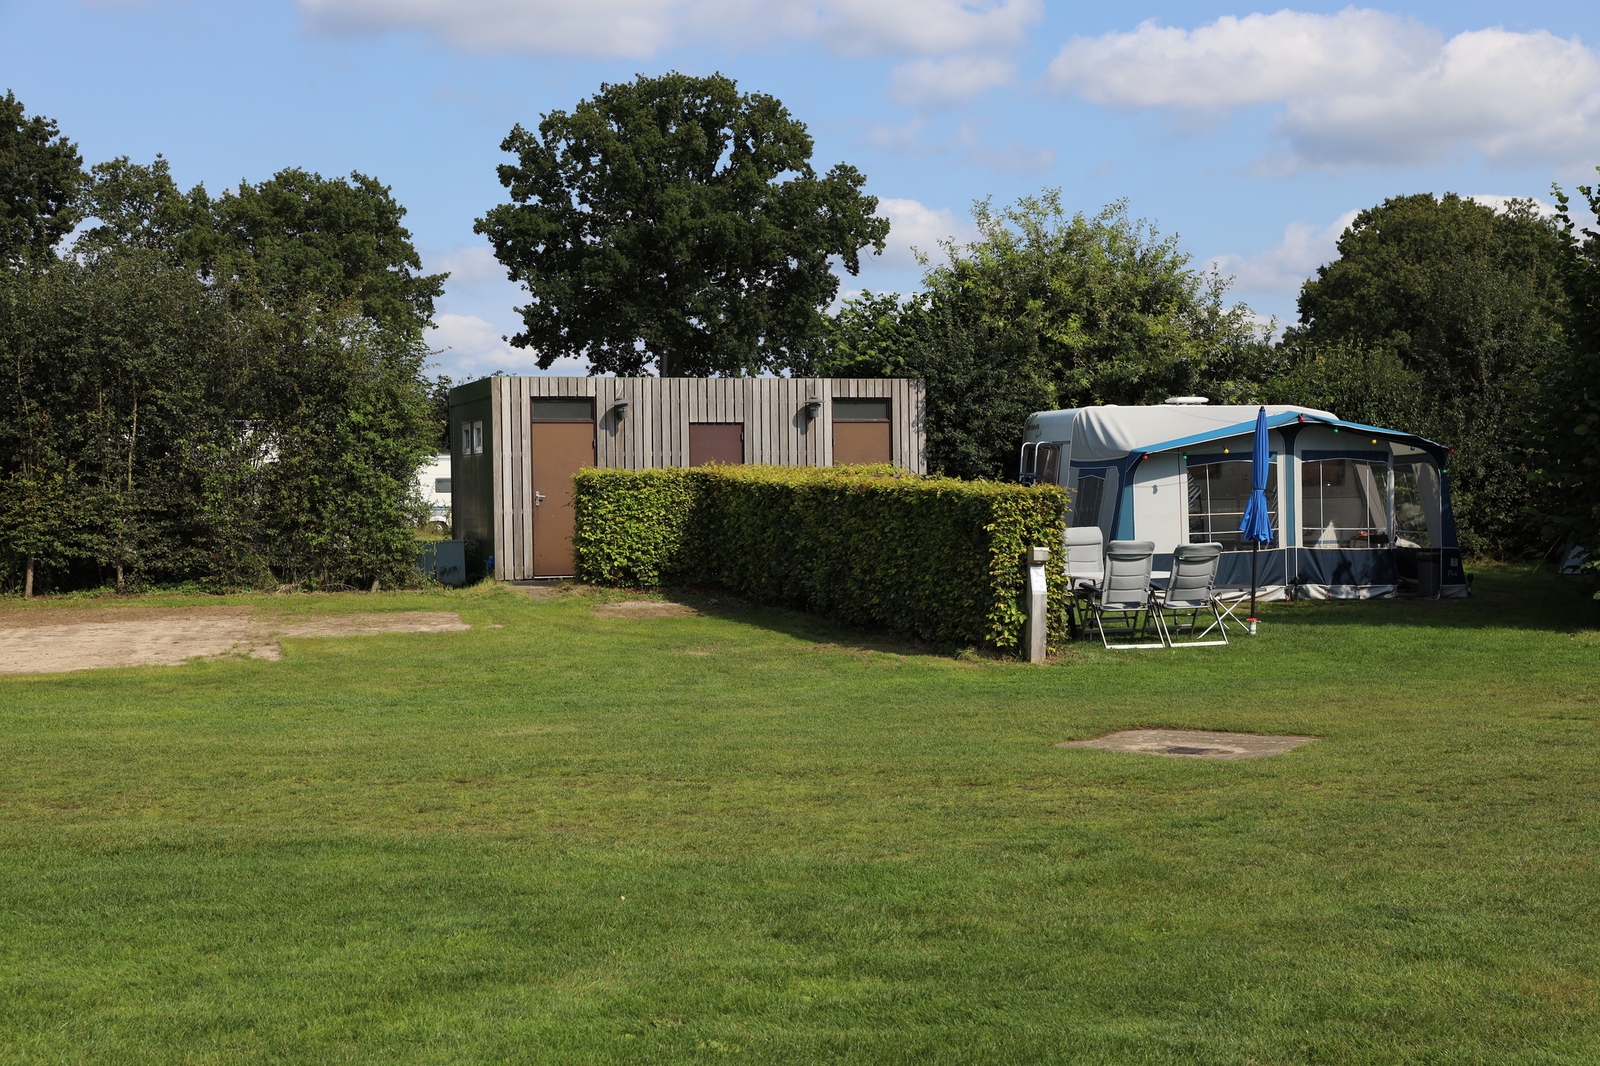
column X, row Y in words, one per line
column 1238, row 61
column 949, row 81
column 641, row 28
column 473, row 348
column 894, row 27
column 966, row 143
column 1500, row 203
column 1012, row 157
column 915, row 227
column 470, row 266
column 1287, row 265
column 595, row 27
column 1360, row 86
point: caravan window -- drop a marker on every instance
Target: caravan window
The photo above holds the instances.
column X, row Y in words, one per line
column 1087, row 500
column 1047, row 464
column 1345, row 503
column 1218, row 493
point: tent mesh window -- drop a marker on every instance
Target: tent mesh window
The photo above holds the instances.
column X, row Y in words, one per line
column 1218, row 493
column 1086, row 503
column 1410, row 516
column 1345, row 503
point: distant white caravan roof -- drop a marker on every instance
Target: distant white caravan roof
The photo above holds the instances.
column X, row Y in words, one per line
column 1111, row 432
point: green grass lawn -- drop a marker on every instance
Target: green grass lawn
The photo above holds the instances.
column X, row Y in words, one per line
column 749, row 836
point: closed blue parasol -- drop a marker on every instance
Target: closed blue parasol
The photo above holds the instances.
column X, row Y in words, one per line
column 1256, row 525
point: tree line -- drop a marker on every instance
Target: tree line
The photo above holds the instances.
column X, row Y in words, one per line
column 226, row 390
column 674, row 224
column 1440, row 316
column 230, row 389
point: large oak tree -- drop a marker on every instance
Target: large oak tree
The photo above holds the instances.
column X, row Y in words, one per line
column 676, row 222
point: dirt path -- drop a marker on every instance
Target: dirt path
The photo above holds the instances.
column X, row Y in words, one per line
column 85, row 638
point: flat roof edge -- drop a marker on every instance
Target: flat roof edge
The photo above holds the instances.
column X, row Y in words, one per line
column 471, row 391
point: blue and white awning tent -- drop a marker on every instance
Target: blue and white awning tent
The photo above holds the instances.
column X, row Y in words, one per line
column 1357, row 511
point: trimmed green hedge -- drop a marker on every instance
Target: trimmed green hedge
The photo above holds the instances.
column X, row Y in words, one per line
column 929, row 557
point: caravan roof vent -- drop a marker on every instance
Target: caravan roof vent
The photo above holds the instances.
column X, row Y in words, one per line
column 1185, row 401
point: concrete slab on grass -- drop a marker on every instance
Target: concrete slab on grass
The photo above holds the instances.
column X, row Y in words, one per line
column 1192, row 743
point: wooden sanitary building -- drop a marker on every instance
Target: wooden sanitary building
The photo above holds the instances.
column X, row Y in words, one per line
column 517, row 441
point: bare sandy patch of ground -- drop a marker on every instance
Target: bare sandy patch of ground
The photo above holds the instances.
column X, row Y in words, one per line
column 57, row 640
column 364, row 625
column 644, row 609
column 1192, row 743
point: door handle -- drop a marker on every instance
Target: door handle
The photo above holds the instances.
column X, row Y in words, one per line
column 538, row 498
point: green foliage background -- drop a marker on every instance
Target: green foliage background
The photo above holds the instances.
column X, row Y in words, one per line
column 1048, row 309
column 41, row 173
column 225, row 390
column 930, row 557
column 1566, row 438
column 1439, row 316
column 676, row 222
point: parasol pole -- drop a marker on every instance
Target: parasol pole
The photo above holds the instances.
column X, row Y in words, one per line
column 1255, row 554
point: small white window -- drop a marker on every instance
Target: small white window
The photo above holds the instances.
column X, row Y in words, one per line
column 441, row 485
column 477, row 438
column 466, row 438
column 1047, row 464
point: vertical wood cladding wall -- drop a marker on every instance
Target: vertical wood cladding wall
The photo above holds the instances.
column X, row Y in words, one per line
column 655, row 431
column 473, row 491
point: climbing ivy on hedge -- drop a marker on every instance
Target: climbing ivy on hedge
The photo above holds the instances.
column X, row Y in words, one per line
column 930, row 557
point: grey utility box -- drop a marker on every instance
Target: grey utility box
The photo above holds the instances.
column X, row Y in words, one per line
column 445, row 561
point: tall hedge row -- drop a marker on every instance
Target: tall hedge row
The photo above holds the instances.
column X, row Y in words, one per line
column 930, row 557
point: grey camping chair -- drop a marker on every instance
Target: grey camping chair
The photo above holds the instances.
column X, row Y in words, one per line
column 1190, row 598
column 1124, row 595
column 1084, row 561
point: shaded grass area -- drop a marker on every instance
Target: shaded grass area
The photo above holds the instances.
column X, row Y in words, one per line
column 750, row 836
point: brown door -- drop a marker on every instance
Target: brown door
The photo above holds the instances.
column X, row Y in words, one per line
column 560, row 449
column 860, row 442
column 716, row 442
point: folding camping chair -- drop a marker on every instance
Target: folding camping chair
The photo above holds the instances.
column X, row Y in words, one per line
column 1189, row 598
column 1124, row 593
column 1084, row 562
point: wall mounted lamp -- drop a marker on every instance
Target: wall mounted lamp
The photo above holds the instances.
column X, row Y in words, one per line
column 620, row 405
column 813, row 406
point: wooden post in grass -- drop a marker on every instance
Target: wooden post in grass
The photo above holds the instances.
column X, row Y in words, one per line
column 1034, row 632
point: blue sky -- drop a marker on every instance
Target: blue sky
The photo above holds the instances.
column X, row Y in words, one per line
column 1251, row 132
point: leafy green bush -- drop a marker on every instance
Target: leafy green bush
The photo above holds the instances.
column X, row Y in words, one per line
column 930, row 557
column 631, row 524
